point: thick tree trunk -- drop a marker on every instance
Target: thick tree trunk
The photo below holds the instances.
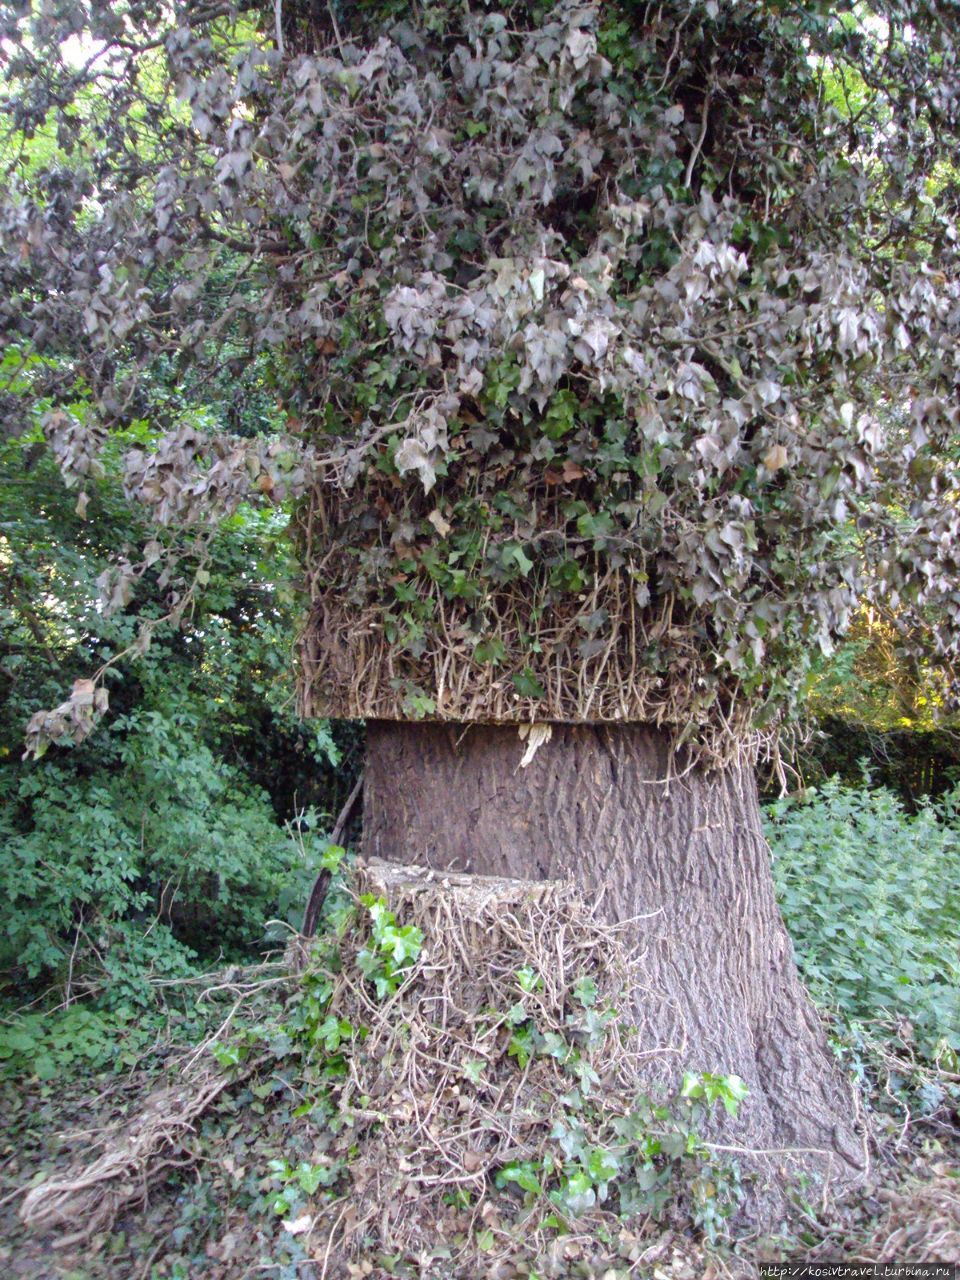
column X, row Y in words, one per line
column 688, row 856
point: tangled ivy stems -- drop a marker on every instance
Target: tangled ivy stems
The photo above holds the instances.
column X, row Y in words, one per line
column 399, row 1072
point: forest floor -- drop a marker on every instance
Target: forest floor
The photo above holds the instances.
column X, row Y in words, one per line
column 208, row 1218
column 444, row 1099
column 216, row 1215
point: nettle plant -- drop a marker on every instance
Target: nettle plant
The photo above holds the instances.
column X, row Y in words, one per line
column 617, row 345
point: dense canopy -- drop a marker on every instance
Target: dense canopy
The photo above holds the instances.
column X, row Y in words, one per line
column 610, row 351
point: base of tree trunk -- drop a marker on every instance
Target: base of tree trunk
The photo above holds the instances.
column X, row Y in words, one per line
column 676, row 855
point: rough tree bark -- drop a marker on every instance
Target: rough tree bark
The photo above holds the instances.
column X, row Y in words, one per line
column 721, row 991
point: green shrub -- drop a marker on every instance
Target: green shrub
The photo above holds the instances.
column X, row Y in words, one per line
column 57, row 1042
column 154, row 846
column 871, row 897
column 170, row 835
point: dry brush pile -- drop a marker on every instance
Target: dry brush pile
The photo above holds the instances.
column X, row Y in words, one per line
column 470, row 1093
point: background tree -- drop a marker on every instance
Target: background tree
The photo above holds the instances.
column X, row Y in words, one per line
column 616, row 347
column 877, row 714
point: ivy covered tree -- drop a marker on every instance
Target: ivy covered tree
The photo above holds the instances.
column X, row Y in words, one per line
column 616, row 353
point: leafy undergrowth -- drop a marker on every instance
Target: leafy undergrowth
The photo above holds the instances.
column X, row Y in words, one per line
column 375, row 1107
column 871, row 898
